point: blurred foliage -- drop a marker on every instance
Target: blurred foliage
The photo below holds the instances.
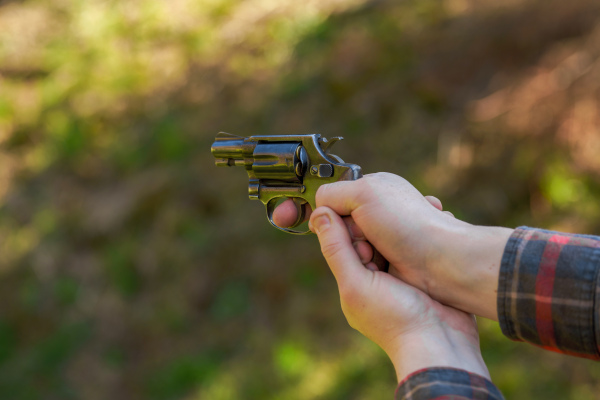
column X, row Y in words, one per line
column 131, row 267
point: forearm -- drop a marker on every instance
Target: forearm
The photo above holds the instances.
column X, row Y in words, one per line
column 438, row 347
column 541, row 285
column 443, row 362
column 463, row 271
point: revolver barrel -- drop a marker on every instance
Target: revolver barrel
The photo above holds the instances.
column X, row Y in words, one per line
column 229, row 150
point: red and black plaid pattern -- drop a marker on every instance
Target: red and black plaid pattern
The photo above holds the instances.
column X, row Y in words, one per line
column 446, row 384
column 547, row 289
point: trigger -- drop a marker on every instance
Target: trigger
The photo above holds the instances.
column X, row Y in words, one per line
column 270, row 206
column 300, row 209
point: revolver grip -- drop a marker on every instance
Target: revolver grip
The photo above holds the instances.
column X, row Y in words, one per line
column 353, row 173
column 301, row 195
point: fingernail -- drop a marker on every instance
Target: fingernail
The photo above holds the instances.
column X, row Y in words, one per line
column 371, row 266
column 321, row 222
column 355, row 232
column 355, row 245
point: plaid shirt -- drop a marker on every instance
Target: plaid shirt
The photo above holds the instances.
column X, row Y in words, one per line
column 546, row 290
column 442, row 383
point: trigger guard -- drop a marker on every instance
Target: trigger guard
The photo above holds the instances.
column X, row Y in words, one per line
column 300, row 210
column 270, row 206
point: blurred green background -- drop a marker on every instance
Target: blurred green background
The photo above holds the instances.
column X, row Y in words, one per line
column 132, row 268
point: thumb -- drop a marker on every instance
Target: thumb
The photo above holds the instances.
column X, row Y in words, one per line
column 336, row 246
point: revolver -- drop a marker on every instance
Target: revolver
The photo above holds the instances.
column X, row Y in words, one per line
column 281, row 166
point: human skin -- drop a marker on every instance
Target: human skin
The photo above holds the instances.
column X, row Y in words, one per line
column 454, row 262
column 438, row 266
column 414, row 330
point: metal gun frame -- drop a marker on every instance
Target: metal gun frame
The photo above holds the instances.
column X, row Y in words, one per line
column 293, row 166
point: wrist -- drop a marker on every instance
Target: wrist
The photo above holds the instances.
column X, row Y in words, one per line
column 463, row 272
column 438, row 347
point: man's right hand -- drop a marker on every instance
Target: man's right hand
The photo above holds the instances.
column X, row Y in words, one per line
column 454, row 262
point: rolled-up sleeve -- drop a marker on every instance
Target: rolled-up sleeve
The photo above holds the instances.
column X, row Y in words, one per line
column 446, row 383
column 548, row 291
column 548, row 295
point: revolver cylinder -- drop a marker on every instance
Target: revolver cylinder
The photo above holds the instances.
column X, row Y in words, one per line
column 280, row 161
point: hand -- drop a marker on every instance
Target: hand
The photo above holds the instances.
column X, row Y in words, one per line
column 415, row 331
column 285, row 215
column 454, row 262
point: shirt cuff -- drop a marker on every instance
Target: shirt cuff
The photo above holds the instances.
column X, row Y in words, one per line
column 547, row 290
column 439, row 382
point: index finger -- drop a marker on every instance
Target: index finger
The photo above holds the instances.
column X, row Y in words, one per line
column 285, row 214
column 343, row 197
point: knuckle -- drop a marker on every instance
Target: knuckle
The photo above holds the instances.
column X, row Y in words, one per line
column 331, row 249
column 363, row 189
column 321, row 190
column 325, row 193
column 378, row 176
column 375, row 180
column 348, row 297
column 350, row 317
column 351, row 296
